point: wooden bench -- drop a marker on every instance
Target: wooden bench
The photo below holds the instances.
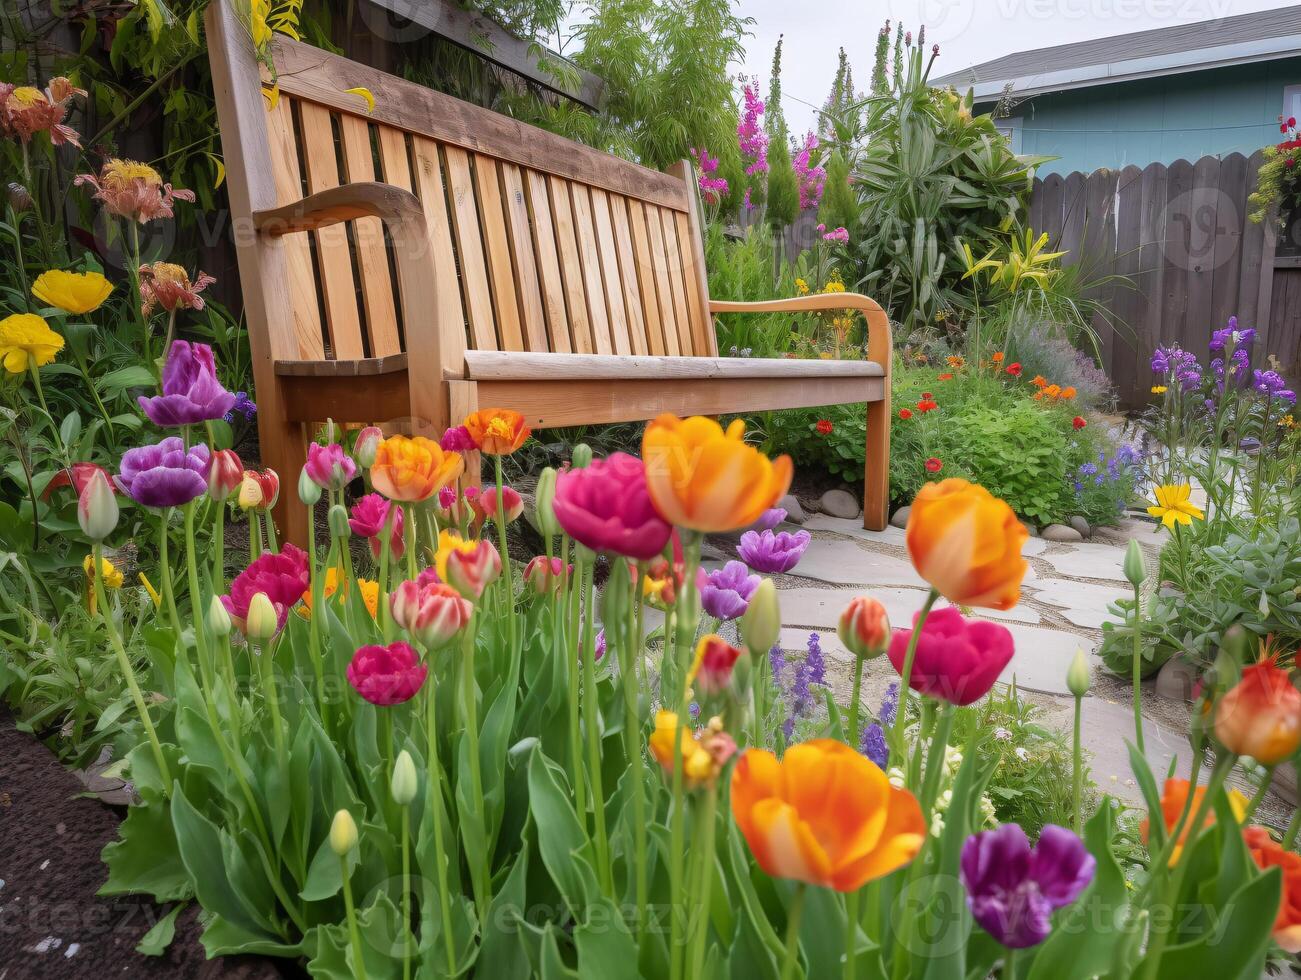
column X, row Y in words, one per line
column 412, row 264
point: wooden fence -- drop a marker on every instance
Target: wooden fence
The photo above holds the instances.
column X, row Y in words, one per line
column 1183, row 258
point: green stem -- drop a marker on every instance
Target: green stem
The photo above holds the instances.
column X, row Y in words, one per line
column 704, row 879
column 592, row 723
column 314, row 624
column 569, row 650
column 406, row 892
column 165, row 566
column 1259, row 796
column 507, row 576
column 385, row 552
column 1078, row 769
column 852, row 737
column 469, row 694
column 266, row 670
column 852, row 901
column 197, row 616
column 1137, row 668
column 631, row 652
column 793, row 916
column 219, row 550
column 354, row 935
column 435, row 791
column 905, row 687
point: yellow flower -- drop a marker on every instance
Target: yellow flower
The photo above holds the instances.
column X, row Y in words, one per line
column 369, row 595
column 328, row 588
column 154, row 597
column 1287, row 422
column 112, row 574
column 1173, row 505
column 1159, row 389
column 26, row 340
column 72, row 292
column 801, row 287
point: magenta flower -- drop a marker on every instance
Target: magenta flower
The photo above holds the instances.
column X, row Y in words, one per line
column 329, row 467
column 958, row 660
column 1013, row 889
column 164, row 474
column 191, row 391
column 367, row 520
column 282, row 577
column 607, row 507
column 725, row 593
column 769, row 519
column 773, row 552
column 457, row 440
column 388, row 675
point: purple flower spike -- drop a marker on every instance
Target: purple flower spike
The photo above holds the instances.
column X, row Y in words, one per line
column 872, row 744
column 725, row 593
column 164, row 474
column 191, row 391
column 772, row 552
column 1013, row 889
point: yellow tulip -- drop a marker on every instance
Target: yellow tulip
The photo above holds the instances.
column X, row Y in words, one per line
column 26, row 340
column 72, row 292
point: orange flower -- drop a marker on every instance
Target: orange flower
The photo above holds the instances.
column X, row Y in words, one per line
column 703, row 478
column 369, row 595
column 328, row 588
column 497, row 431
column 1174, row 795
column 1260, row 716
column 946, row 377
column 1267, row 853
column 413, row 469
column 1039, row 381
column 1067, row 393
column 967, row 544
column 26, row 111
column 704, row 753
column 168, row 285
column 824, row 815
column 997, row 358
column 133, row 190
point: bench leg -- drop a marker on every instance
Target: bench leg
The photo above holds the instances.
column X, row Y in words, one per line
column 876, row 477
column 463, row 399
column 283, row 448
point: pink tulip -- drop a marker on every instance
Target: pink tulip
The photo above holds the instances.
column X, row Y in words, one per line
column 387, row 675
column 433, row 613
column 470, row 570
column 607, row 507
column 329, row 467
column 542, row 578
column 367, row 520
column 282, row 578
column 957, row 660
column 225, row 473
column 485, row 504
column 367, row 444
column 97, row 510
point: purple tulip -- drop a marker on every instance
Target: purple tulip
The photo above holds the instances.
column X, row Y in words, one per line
column 772, row 552
column 725, row 593
column 329, row 467
column 164, row 474
column 191, row 391
column 1013, row 889
column 769, row 519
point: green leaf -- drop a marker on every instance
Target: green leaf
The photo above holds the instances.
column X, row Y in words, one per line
column 132, row 376
column 562, row 841
column 158, row 938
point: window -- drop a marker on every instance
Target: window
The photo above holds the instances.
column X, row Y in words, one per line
column 1292, row 101
column 1011, row 128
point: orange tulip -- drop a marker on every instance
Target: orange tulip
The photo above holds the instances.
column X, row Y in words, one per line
column 967, row 544
column 1174, row 795
column 412, row 470
column 704, row 753
column 1260, row 716
column 1268, row 853
column 496, row 431
column 824, row 815
column 703, row 478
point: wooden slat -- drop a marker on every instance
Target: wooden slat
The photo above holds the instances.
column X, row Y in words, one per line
column 650, row 302
column 1253, row 244
column 368, row 234
column 520, row 234
column 544, row 247
column 632, row 299
column 663, row 290
column 589, row 256
column 1126, row 303
column 517, row 366
column 469, row 246
column 704, row 343
column 1228, row 253
column 493, row 222
column 395, row 168
column 450, row 314
column 298, row 255
column 673, row 272
column 333, row 252
column 610, row 272
column 571, row 267
column 323, row 77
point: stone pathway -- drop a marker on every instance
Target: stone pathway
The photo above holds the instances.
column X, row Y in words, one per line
column 1064, row 603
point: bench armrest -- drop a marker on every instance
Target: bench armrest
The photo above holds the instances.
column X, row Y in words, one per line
column 397, row 208
column 879, row 343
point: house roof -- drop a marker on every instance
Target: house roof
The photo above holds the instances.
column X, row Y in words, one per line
column 1261, row 36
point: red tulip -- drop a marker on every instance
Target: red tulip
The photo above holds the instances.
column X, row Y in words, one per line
column 387, row 675
column 225, row 473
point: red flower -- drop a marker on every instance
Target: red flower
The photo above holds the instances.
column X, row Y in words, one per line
column 946, row 377
column 76, row 476
column 927, row 396
column 387, row 675
column 824, row 426
column 934, row 465
column 905, row 414
column 958, row 660
column 1014, row 369
column 926, row 405
column 1078, row 422
column 282, row 577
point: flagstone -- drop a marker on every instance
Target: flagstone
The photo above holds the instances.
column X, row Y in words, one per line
column 1041, row 659
column 845, row 562
column 855, row 529
column 1103, row 561
column 1082, row 603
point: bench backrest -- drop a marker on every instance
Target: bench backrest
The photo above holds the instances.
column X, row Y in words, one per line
column 537, row 243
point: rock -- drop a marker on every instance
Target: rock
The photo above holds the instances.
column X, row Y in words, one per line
column 794, row 512
column 840, row 503
column 1061, row 532
column 1081, row 525
column 1030, row 529
column 900, row 517
column 1176, row 679
column 1284, row 784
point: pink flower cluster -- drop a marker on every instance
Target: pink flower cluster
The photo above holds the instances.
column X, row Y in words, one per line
column 749, row 132
column 812, row 178
column 712, row 187
column 840, row 235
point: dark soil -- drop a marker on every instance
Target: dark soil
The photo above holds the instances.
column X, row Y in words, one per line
column 51, row 922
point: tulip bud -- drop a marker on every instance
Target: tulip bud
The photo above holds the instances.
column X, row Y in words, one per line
column 1133, row 567
column 218, row 618
column 403, row 784
column 225, row 473
column 761, row 623
column 308, row 491
column 1078, row 674
column 712, row 670
column 543, row 499
column 97, row 510
column 367, row 445
column 581, row 457
column 20, row 199
column 864, row 628
column 343, row 833
column 262, row 622
column 471, row 570
column 541, row 578
column 250, row 493
column 338, row 521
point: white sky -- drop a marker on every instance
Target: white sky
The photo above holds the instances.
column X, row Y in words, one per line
column 968, row 32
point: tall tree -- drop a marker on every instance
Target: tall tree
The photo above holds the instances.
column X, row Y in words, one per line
column 774, row 118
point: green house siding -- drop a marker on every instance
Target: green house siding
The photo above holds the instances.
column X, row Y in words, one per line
column 1157, row 120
